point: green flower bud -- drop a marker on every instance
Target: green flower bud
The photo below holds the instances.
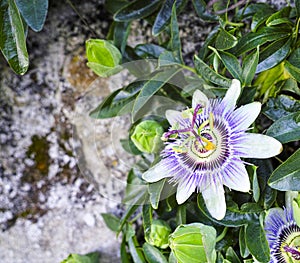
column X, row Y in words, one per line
column 103, row 57
column 193, row 243
column 159, row 234
column 146, row 136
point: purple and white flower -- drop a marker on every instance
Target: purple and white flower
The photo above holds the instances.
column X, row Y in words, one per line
column 283, row 235
column 204, row 147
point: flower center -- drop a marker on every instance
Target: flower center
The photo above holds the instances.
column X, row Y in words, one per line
column 290, row 248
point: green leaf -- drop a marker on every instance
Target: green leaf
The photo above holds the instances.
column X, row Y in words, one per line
column 209, row 74
column 148, row 50
column 123, row 251
column 155, row 190
column 249, row 67
column 174, row 43
column 111, row 221
column 231, row 256
column 34, row 12
column 163, row 17
column 257, row 242
column 279, row 17
column 88, row 258
column 12, row 37
column 234, row 216
column 286, row 129
column 135, row 252
column 242, row 242
column 136, row 9
column 225, row 40
column 275, row 58
column 200, row 8
column 147, row 220
column 120, row 35
column 256, row 188
column 231, row 63
column 253, row 39
column 153, row 255
column 152, row 86
column 281, row 106
column 286, row 176
column 292, row 70
column 260, row 15
column 119, row 102
column 294, row 58
column 297, row 4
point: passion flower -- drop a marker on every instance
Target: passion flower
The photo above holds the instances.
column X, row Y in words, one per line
column 204, row 146
column 283, row 235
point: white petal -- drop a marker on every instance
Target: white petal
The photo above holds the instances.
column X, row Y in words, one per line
column 214, row 198
column 173, row 116
column 199, row 98
column 232, row 95
column 244, row 116
column 236, row 177
column 156, row 173
column 260, row 146
column 184, row 191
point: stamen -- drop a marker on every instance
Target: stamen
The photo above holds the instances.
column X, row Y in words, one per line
column 209, row 145
column 293, row 251
column 211, row 121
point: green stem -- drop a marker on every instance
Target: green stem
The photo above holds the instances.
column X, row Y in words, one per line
column 222, row 235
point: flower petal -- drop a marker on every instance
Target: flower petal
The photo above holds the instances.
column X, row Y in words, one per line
column 199, row 98
column 231, row 96
column 252, row 145
column 236, row 177
column 173, row 116
column 184, row 191
column 156, row 173
column 214, row 198
column 244, row 116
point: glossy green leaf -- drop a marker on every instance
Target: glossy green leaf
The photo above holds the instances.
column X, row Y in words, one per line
column 34, row 12
column 249, row 67
column 297, row 5
column 136, row 9
column 120, row 35
column 260, row 15
column 111, row 221
column 231, row 63
column 147, row 220
column 242, row 243
column 291, row 86
column 151, row 87
column 88, row 258
column 119, row 102
column 234, row 216
column 153, row 255
column 286, row 129
column 200, row 8
column 255, row 184
column 12, row 37
column 135, row 252
column 286, row 176
column 163, row 17
column 279, row 17
column 281, row 106
column 175, row 43
column 274, row 58
column 292, row 70
column 225, row 40
column 257, row 242
column 123, row 251
column 253, row 39
column 209, row 74
column 155, row 190
column 231, row 256
column 294, row 58
column 149, row 50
